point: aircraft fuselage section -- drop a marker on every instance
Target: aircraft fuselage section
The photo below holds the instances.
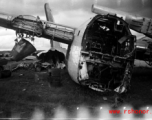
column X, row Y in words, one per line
column 74, row 50
column 100, row 53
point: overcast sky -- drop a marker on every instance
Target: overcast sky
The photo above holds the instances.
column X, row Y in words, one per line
column 68, row 12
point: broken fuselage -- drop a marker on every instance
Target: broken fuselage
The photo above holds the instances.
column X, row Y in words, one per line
column 101, row 55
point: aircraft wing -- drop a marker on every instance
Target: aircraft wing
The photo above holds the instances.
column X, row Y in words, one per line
column 144, row 48
column 34, row 26
column 143, row 52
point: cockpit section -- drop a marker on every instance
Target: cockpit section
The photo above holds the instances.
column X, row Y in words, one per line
column 107, row 54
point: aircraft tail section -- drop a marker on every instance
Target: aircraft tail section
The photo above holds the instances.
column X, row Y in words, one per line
column 48, row 12
column 49, row 17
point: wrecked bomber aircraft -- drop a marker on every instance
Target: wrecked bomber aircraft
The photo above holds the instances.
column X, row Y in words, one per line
column 100, row 53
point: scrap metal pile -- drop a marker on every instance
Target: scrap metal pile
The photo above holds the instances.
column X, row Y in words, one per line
column 45, row 61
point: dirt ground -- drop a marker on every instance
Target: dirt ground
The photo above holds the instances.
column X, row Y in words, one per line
column 27, row 90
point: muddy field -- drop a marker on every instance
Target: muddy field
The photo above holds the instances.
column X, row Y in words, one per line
column 27, row 91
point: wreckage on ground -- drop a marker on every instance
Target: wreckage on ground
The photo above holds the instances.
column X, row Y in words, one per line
column 49, row 60
column 100, row 53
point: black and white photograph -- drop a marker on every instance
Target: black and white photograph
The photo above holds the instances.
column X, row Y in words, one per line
column 75, row 59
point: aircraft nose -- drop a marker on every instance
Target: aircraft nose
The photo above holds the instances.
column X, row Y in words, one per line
column 5, row 20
